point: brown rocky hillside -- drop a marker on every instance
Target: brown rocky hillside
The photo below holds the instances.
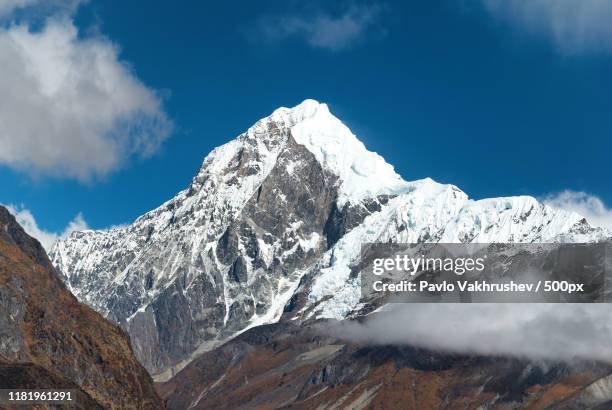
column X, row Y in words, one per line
column 50, row 340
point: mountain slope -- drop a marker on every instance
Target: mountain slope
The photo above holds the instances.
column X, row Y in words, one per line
column 269, row 229
column 432, row 212
column 285, row 366
column 48, row 337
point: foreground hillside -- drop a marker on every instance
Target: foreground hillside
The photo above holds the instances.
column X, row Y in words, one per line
column 50, row 340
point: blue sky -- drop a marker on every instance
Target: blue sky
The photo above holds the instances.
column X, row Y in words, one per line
column 498, row 98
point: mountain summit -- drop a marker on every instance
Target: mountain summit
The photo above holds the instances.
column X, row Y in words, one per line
column 270, row 229
column 362, row 173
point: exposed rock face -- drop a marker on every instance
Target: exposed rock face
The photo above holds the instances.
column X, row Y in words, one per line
column 48, row 339
column 224, row 255
column 271, row 229
column 22, row 376
column 303, row 367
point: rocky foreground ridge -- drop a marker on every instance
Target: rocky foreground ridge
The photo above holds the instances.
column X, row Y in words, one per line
column 50, row 340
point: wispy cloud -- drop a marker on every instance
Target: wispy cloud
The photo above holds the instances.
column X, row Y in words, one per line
column 8, row 6
column 323, row 29
column 589, row 206
column 33, row 9
column 560, row 332
column 27, row 221
column 575, row 26
column 71, row 107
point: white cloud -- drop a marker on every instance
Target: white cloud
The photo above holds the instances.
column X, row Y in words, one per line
column 39, row 8
column 323, row 30
column 561, row 332
column 27, row 221
column 8, row 6
column 589, row 206
column 70, row 107
column 575, row 26
column 536, row 331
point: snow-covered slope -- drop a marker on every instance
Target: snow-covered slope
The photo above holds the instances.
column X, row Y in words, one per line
column 362, row 173
column 432, row 212
column 281, row 210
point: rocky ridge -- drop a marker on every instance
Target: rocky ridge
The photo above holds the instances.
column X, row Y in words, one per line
column 50, row 340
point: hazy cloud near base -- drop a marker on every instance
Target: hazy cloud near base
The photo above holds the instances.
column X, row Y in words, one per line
column 536, row 331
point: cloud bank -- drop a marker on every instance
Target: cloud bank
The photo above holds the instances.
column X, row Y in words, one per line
column 574, row 26
column 589, row 206
column 70, row 107
column 27, row 221
column 324, row 30
column 560, row 332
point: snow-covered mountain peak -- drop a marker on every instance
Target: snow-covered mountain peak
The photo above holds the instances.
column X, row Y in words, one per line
column 361, row 173
column 306, row 109
column 273, row 223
